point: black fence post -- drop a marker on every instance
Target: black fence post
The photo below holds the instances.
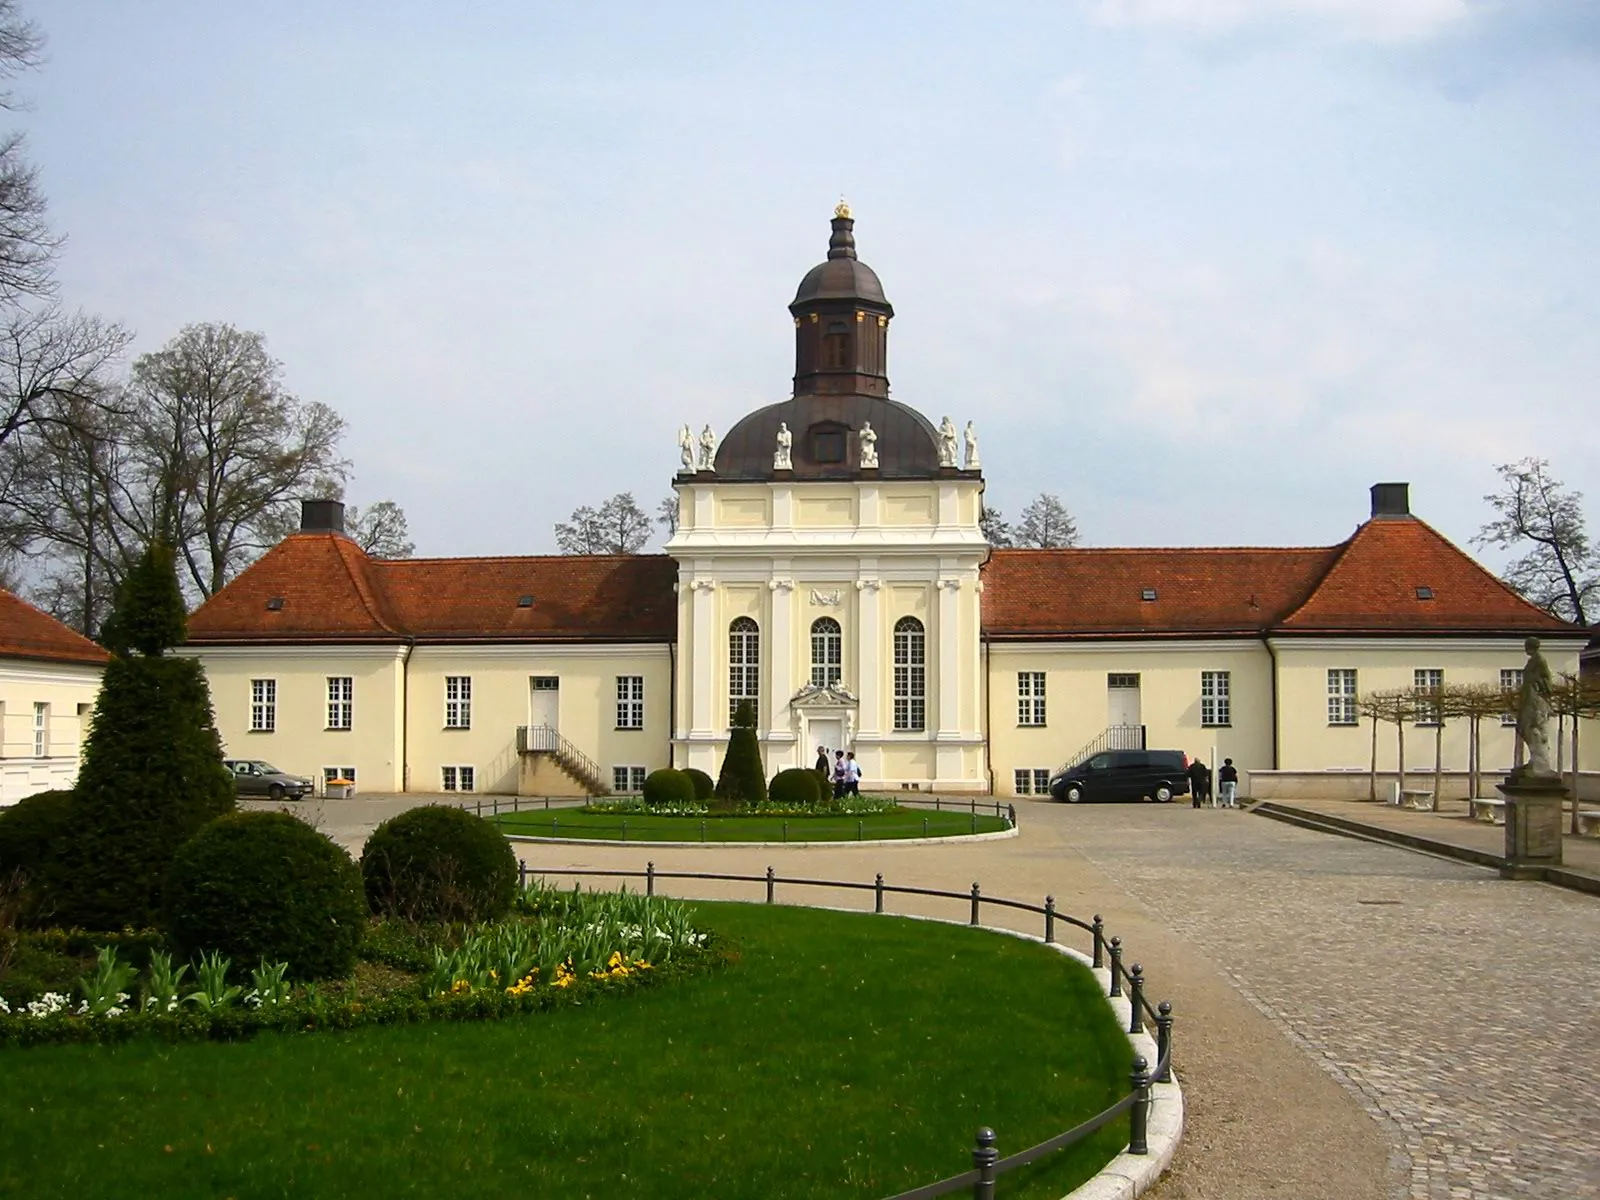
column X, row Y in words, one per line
column 1099, row 930
column 877, row 893
column 976, row 900
column 516, row 801
column 1164, row 1042
column 522, row 874
column 984, row 1157
column 974, row 822
column 1049, row 918
column 924, row 826
column 494, row 805
column 770, row 882
column 1116, row 966
column 555, row 826
column 650, row 878
column 1011, row 814
column 1139, row 1114
column 477, row 808
column 861, row 830
column 1136, row 999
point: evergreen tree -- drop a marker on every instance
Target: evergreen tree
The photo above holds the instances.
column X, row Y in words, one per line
column 742, row 780
column 152, row 770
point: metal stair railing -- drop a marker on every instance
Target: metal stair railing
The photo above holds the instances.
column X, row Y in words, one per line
column 546, row 739
column 1112, row 737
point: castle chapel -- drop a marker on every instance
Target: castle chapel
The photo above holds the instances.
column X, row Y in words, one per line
column 829, row 567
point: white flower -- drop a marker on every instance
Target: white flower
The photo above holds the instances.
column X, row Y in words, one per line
column 4, row 1007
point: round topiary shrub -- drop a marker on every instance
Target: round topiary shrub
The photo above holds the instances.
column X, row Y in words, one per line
column 29, row 833
column 795, row 788
column 704, row 786
column 667, row 788
column 439, row 863
column 263, row 885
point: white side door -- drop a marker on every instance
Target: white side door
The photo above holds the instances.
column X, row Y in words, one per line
column 1122, row 699
column 544, row 701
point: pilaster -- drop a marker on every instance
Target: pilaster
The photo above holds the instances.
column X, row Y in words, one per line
column 948, row 701
column 869, row 657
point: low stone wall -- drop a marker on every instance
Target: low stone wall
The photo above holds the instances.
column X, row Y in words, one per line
column 1356, row 784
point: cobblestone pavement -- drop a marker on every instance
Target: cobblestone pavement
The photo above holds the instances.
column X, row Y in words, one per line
column 1355, row 1021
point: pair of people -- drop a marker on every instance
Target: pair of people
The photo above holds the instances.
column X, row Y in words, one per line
column 845, row 772
column 1227, row 784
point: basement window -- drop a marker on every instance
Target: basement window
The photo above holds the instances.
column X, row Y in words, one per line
column 1424, row 593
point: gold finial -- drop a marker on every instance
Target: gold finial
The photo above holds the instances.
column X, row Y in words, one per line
column 842, row 209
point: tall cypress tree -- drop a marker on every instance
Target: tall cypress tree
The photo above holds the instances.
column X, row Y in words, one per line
column 742, row 780
column 152, row 770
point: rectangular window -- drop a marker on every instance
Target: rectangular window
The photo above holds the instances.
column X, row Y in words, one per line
column 41, row 731
column 1031, row 781
column 1122, row 680
column 1510, row 683
column 1216, row 708
column 263, row 705
column 457, row 779
column 338, row 774
column 341, row 696
column 627, row 779
column 630, row 701
column 458, row 704
column 1030, row 697
column 1342, row 696
column 1428, row 682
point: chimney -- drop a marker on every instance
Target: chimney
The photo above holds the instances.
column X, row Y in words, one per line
column 1391, row 500
column 322, row 516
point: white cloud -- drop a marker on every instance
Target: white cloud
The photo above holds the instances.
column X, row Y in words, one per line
column 1361, row 20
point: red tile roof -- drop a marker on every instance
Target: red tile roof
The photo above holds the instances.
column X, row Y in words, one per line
column 25, row 632
column 330, row 591
column 1368, row 585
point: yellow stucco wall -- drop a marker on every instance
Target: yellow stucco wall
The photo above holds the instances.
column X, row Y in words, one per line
column 69, row 691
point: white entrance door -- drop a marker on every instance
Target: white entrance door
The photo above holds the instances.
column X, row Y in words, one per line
column 827, row 732
column 1122, row 699
column 544, row 701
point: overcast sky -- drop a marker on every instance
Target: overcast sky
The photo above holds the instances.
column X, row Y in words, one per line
column 1204, row 268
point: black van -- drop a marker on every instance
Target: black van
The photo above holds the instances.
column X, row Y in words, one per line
column 1124, row 775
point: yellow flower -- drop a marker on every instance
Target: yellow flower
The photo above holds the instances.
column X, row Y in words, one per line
column 459, row 986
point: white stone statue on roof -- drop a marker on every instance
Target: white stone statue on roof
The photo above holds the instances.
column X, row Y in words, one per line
column 869, row 446
column 972, row 447
column 686, row 448
column 708, row 449
column 1534, row 709
column 782, row 459
column 947, row 443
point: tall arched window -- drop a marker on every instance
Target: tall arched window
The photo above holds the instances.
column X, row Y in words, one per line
column 827, row 652
column 744, row 664
column 910, row 675
column 836, row 345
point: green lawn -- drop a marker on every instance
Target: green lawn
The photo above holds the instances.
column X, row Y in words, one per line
column 837, row 1055
column 646, row 827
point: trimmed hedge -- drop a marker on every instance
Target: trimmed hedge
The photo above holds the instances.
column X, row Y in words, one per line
column 30, row 833
column 439, row 863
column 668, row 788
column 743, row 779
column 704, row 786
column 795, row 787
column 264, row 885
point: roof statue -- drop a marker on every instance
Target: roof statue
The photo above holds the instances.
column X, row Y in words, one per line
column 708, row 449
column 972, row 447
column 686, row 448
column 947, row 443
column 869, row 447
column 782, row 458
column 1534, row 709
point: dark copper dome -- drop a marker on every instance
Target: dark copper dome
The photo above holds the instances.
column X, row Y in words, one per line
column 841, row 276
column 826, row 442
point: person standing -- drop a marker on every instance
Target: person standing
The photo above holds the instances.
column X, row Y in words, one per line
column 841, row 775
column 1199, row 783
column 852, row 786
column 1228, row 784
column 821, row 767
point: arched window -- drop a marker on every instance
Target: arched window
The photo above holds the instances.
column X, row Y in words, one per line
column 744, row 664
column 910, row 675
column 827, row 652
column 836, row 345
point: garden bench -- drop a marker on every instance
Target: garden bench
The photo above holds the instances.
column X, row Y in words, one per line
column 1418, row 798
column 1488, row 808
column 1589, row 822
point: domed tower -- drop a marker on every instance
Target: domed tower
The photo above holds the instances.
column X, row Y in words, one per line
column 841, row 386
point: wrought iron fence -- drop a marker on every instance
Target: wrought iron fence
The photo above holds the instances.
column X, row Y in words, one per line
column 1107, row 954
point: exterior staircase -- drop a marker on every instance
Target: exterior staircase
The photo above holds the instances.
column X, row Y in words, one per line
column 547, row 740
column 1113, row 737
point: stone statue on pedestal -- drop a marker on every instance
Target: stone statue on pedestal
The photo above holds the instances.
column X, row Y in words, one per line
column 708, row 449
column 947, row 443
column 781, row 458
column 869, row 446
column 1534, row 710
column 686, row 448
column 972, row 447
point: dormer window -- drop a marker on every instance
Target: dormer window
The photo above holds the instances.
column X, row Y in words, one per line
column 836, row 345
column 1424, row 593
column 827, row 446
column 524, row 601
column 1148, row 594
column 275, row 604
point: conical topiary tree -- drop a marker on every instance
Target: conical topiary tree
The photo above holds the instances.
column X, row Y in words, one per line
column 742, row 780
column 152, row 770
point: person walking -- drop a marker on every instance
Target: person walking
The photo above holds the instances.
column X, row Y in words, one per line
column 821, row 767
column 852, row 785
column 1228, row 784
column 1199, row 783
column 841, row 775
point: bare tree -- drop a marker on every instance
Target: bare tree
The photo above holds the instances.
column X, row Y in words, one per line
column 223, row 450
column 995, row 527
column 27, row 247
column 1394, row 708
column 1475, row 702
column 619, row 526
column 1561, row 570
column 667, row 514
column 380, row 529
column 47, row 354
column 1046, row 524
